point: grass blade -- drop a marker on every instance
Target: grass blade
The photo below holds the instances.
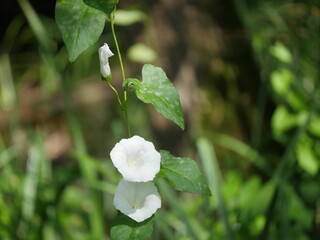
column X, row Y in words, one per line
column 213, row 175
column 243, row 150
column 166, row 191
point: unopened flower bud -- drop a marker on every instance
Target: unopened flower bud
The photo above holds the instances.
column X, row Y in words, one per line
column 104, row 54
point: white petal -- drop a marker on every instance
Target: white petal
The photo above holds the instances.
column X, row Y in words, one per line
column 136, row 159
column 138, row 201
column 104, row 54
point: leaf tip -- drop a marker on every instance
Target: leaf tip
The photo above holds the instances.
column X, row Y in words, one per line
column 182, row 125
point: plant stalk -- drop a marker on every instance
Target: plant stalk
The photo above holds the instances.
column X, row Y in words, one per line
column 125, row 98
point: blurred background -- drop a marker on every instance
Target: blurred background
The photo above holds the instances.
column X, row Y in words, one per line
column 248, row 75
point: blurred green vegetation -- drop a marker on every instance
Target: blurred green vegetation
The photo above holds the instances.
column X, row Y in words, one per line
column 248, row 76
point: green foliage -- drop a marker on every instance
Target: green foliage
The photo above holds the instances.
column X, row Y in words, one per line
column 306, row 156
column 283, row 120
column 124, row 228
column 213, row 176
column 263, row 171
column 262, row 199
column 288, row 70
column 105, row 6
column 281, row 52
column 141, row 53
column 127, row 17
column 281, row 81
column 314, row 126
column 157, row 89
column 183, row 174
column 79, row 24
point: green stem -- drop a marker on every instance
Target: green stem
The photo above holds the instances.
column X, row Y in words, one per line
column 116, row 92
column 124, row 105
column 127, row 118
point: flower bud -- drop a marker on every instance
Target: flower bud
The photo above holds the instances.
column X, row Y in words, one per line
column 104, row 54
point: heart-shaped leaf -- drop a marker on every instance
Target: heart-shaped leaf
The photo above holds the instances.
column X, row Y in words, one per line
column 80, row 25
column 183, row 174
column 157, row 89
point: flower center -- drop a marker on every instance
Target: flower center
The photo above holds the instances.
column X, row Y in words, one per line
column 137, row 204
column 133, row 162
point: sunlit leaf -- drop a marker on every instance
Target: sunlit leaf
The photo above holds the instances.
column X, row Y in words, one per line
column 183, row 174
column 282, row 120
column 314, row 126
column 79, row 24
column 128, row 17
column 157, row 89
column 281, row 52
column 281, row 80
column 141, row 53
column 258, row 224
column 306, row 156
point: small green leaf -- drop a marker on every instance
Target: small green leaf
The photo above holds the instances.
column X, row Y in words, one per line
column 183, row 174
column 79, row 24
column 141, row 53
column 282, row 120
column 124, row 228
column 314, row 125
column 157, row 89
column 281, row 80
column 106, row 6
column 281, row 52
column 307, row 158
column 128, row 17
column 130, row 83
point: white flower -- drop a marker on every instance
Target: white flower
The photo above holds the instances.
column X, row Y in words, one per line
column 136, row 159
column 138, row 201
column 104, row 54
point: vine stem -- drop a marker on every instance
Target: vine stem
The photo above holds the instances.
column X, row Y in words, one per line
column 125, row 97
column 116, row 92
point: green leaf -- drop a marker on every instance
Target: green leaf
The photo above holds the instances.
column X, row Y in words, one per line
column 314, row 125
column 281, row 52
column 307, row 158
column 124, row 228
column 157, row 89
column 79, row 24
column 183, row 174
column 106, row 6
column 128, row 17
column 282, row 120
column 297, row 208
column 281, row 80
column 141, row 53
column 262, row 199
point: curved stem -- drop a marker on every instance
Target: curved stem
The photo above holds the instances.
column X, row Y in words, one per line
column 124, row 105
column 116, row 92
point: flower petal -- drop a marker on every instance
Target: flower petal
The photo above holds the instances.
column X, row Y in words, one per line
column 138, row 201
column 104, row 54
column 136, row 159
